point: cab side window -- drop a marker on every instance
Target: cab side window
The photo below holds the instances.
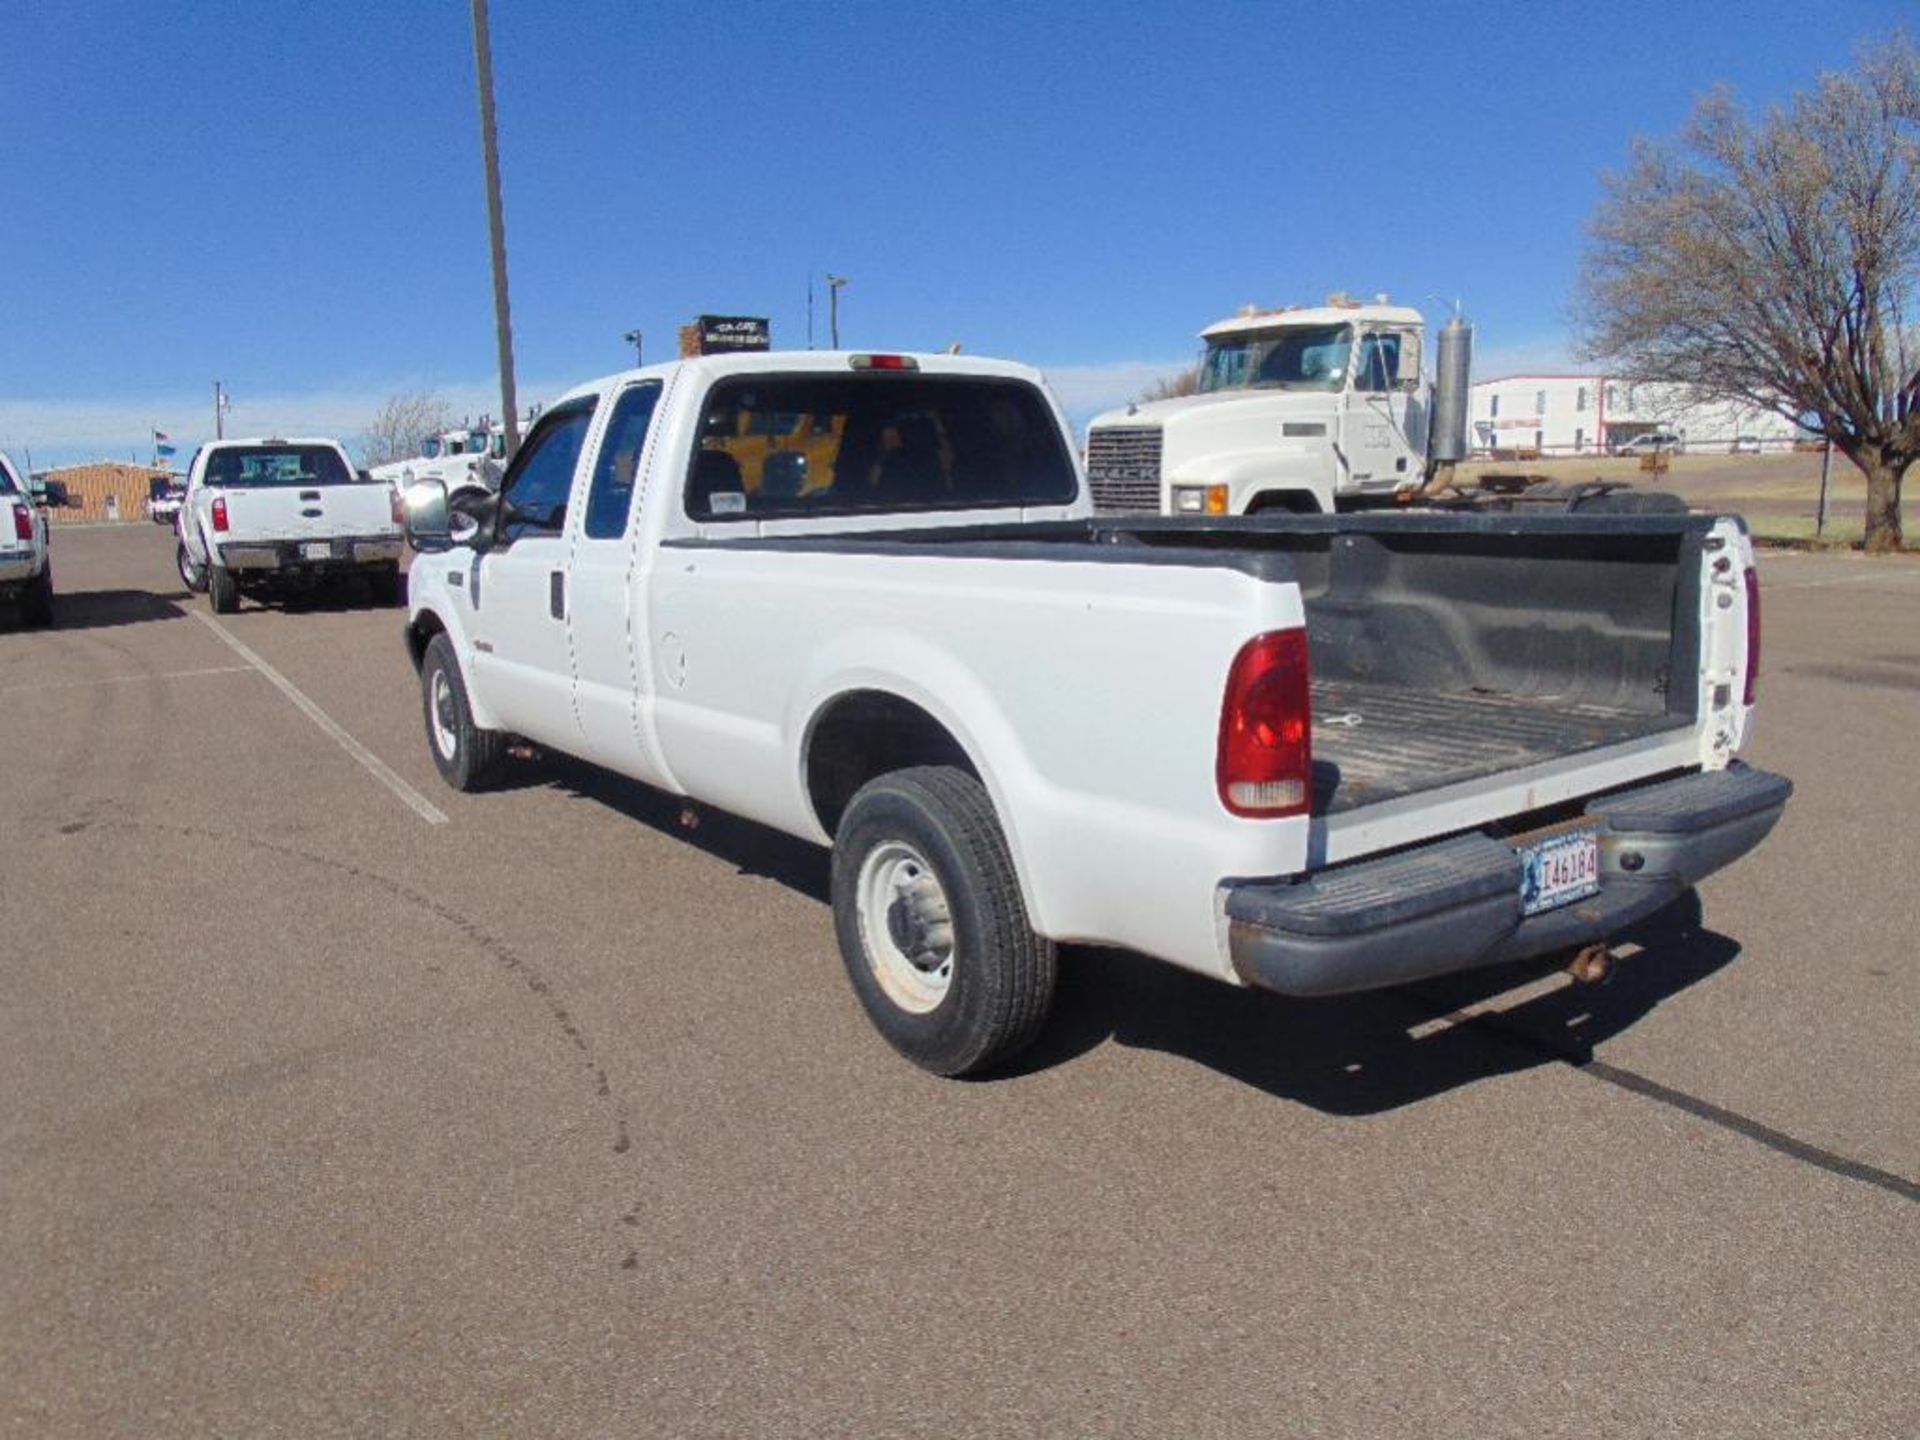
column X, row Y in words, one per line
column 615, row 473
column 1379, row 362
column 533, row 497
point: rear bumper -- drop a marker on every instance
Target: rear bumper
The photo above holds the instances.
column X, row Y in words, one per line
column 1455, row 905
column 17, row 568
column 342, row 550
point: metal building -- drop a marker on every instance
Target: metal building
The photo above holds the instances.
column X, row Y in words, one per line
column 1560, row 415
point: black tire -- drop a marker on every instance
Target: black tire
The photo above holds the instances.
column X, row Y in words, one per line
column 223, row 591
column 463, row 753
column 998, row 975
column 388, row 588
column 192, row 575
column 36, row 602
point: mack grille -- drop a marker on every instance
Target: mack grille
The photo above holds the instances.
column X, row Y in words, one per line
column 1123, row 469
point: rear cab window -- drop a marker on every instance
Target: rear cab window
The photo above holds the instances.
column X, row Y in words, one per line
column 774, row 445
column 265, row 467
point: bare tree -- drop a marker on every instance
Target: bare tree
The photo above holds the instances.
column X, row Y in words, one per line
column 1172, row 387
column 1777, row 262
column 402, row 422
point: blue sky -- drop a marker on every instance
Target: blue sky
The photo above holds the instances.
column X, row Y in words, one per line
column 289, row 197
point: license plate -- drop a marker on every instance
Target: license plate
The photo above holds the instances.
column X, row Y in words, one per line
column 1558, row 869
column 317, row 550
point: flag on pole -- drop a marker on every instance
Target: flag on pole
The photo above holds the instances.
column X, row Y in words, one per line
column 162, row 443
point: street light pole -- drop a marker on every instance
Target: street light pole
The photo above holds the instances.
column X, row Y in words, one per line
column 638, row 341
column 219, row 411
column 496, row 225
column 834, row 282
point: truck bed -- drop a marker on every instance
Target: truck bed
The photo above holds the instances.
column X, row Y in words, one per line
column 1375, row 742
column 1467, row 645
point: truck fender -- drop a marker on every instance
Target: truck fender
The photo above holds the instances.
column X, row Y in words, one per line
column 940, row 684
column 1307, row 468
column 434, row 617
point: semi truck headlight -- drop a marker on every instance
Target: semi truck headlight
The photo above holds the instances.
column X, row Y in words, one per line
column 1199, row 499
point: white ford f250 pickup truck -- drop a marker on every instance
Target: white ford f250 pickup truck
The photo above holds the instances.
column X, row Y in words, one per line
column 1314, row 754
column 261, row 514
column 26, row 569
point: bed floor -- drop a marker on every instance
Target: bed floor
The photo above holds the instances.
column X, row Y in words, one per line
column 1379, row 742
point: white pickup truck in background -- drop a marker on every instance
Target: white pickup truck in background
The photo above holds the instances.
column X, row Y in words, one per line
column 260, row 515
column 26, row 567
column 861, row 599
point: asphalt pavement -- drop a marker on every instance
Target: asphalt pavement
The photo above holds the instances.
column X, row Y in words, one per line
column 337, row 1103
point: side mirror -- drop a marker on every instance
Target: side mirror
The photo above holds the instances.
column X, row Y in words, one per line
column 425, row 516
column 1409, row 370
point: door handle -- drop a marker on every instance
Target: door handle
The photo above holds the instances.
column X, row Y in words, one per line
column 557, row 594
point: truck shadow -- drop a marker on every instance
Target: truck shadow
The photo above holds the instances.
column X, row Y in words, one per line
column 1365, row 1054
column 752, row 849
column 1346, row 1055
column 105, row 609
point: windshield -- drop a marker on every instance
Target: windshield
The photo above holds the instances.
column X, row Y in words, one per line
column 1306, row 357
column 264, row 466
column 841, row 444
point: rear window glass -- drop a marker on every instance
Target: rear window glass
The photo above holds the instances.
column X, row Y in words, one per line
column 6, row 483
column 773, row 445
column 263, row 466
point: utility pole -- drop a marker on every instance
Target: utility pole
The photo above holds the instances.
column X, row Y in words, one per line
column 1826, row 469
column 638, row 341
column 496, row 226
column 219, row 411
column 834, row 282
column 809, row 309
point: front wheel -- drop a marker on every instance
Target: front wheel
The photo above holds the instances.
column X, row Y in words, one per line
column 932, row 925
column 463, row 753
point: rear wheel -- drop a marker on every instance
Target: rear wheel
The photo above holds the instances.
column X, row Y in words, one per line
column 36, row 603
column 932, row 925
column 192, row 574
column 387, row 587
column 223, row 591
column 463, row 753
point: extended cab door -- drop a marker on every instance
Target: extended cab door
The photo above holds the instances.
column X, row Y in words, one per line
column 518, row 587
column 607, row 596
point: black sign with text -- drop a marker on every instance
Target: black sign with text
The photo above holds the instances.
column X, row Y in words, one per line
column 725, row 334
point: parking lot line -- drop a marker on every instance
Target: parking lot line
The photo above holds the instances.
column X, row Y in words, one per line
column 372, row 763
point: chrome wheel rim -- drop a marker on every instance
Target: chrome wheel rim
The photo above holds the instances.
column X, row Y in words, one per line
column 441, row 715
column 906, row 926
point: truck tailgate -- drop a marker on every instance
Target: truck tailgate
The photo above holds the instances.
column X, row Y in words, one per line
column 320, row 512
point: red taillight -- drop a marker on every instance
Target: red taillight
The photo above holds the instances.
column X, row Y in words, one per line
column 220, row 513
column 1265, row 764
column 398, row 509
column 883, row 362
column 22, row 522
column 1753, row 633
